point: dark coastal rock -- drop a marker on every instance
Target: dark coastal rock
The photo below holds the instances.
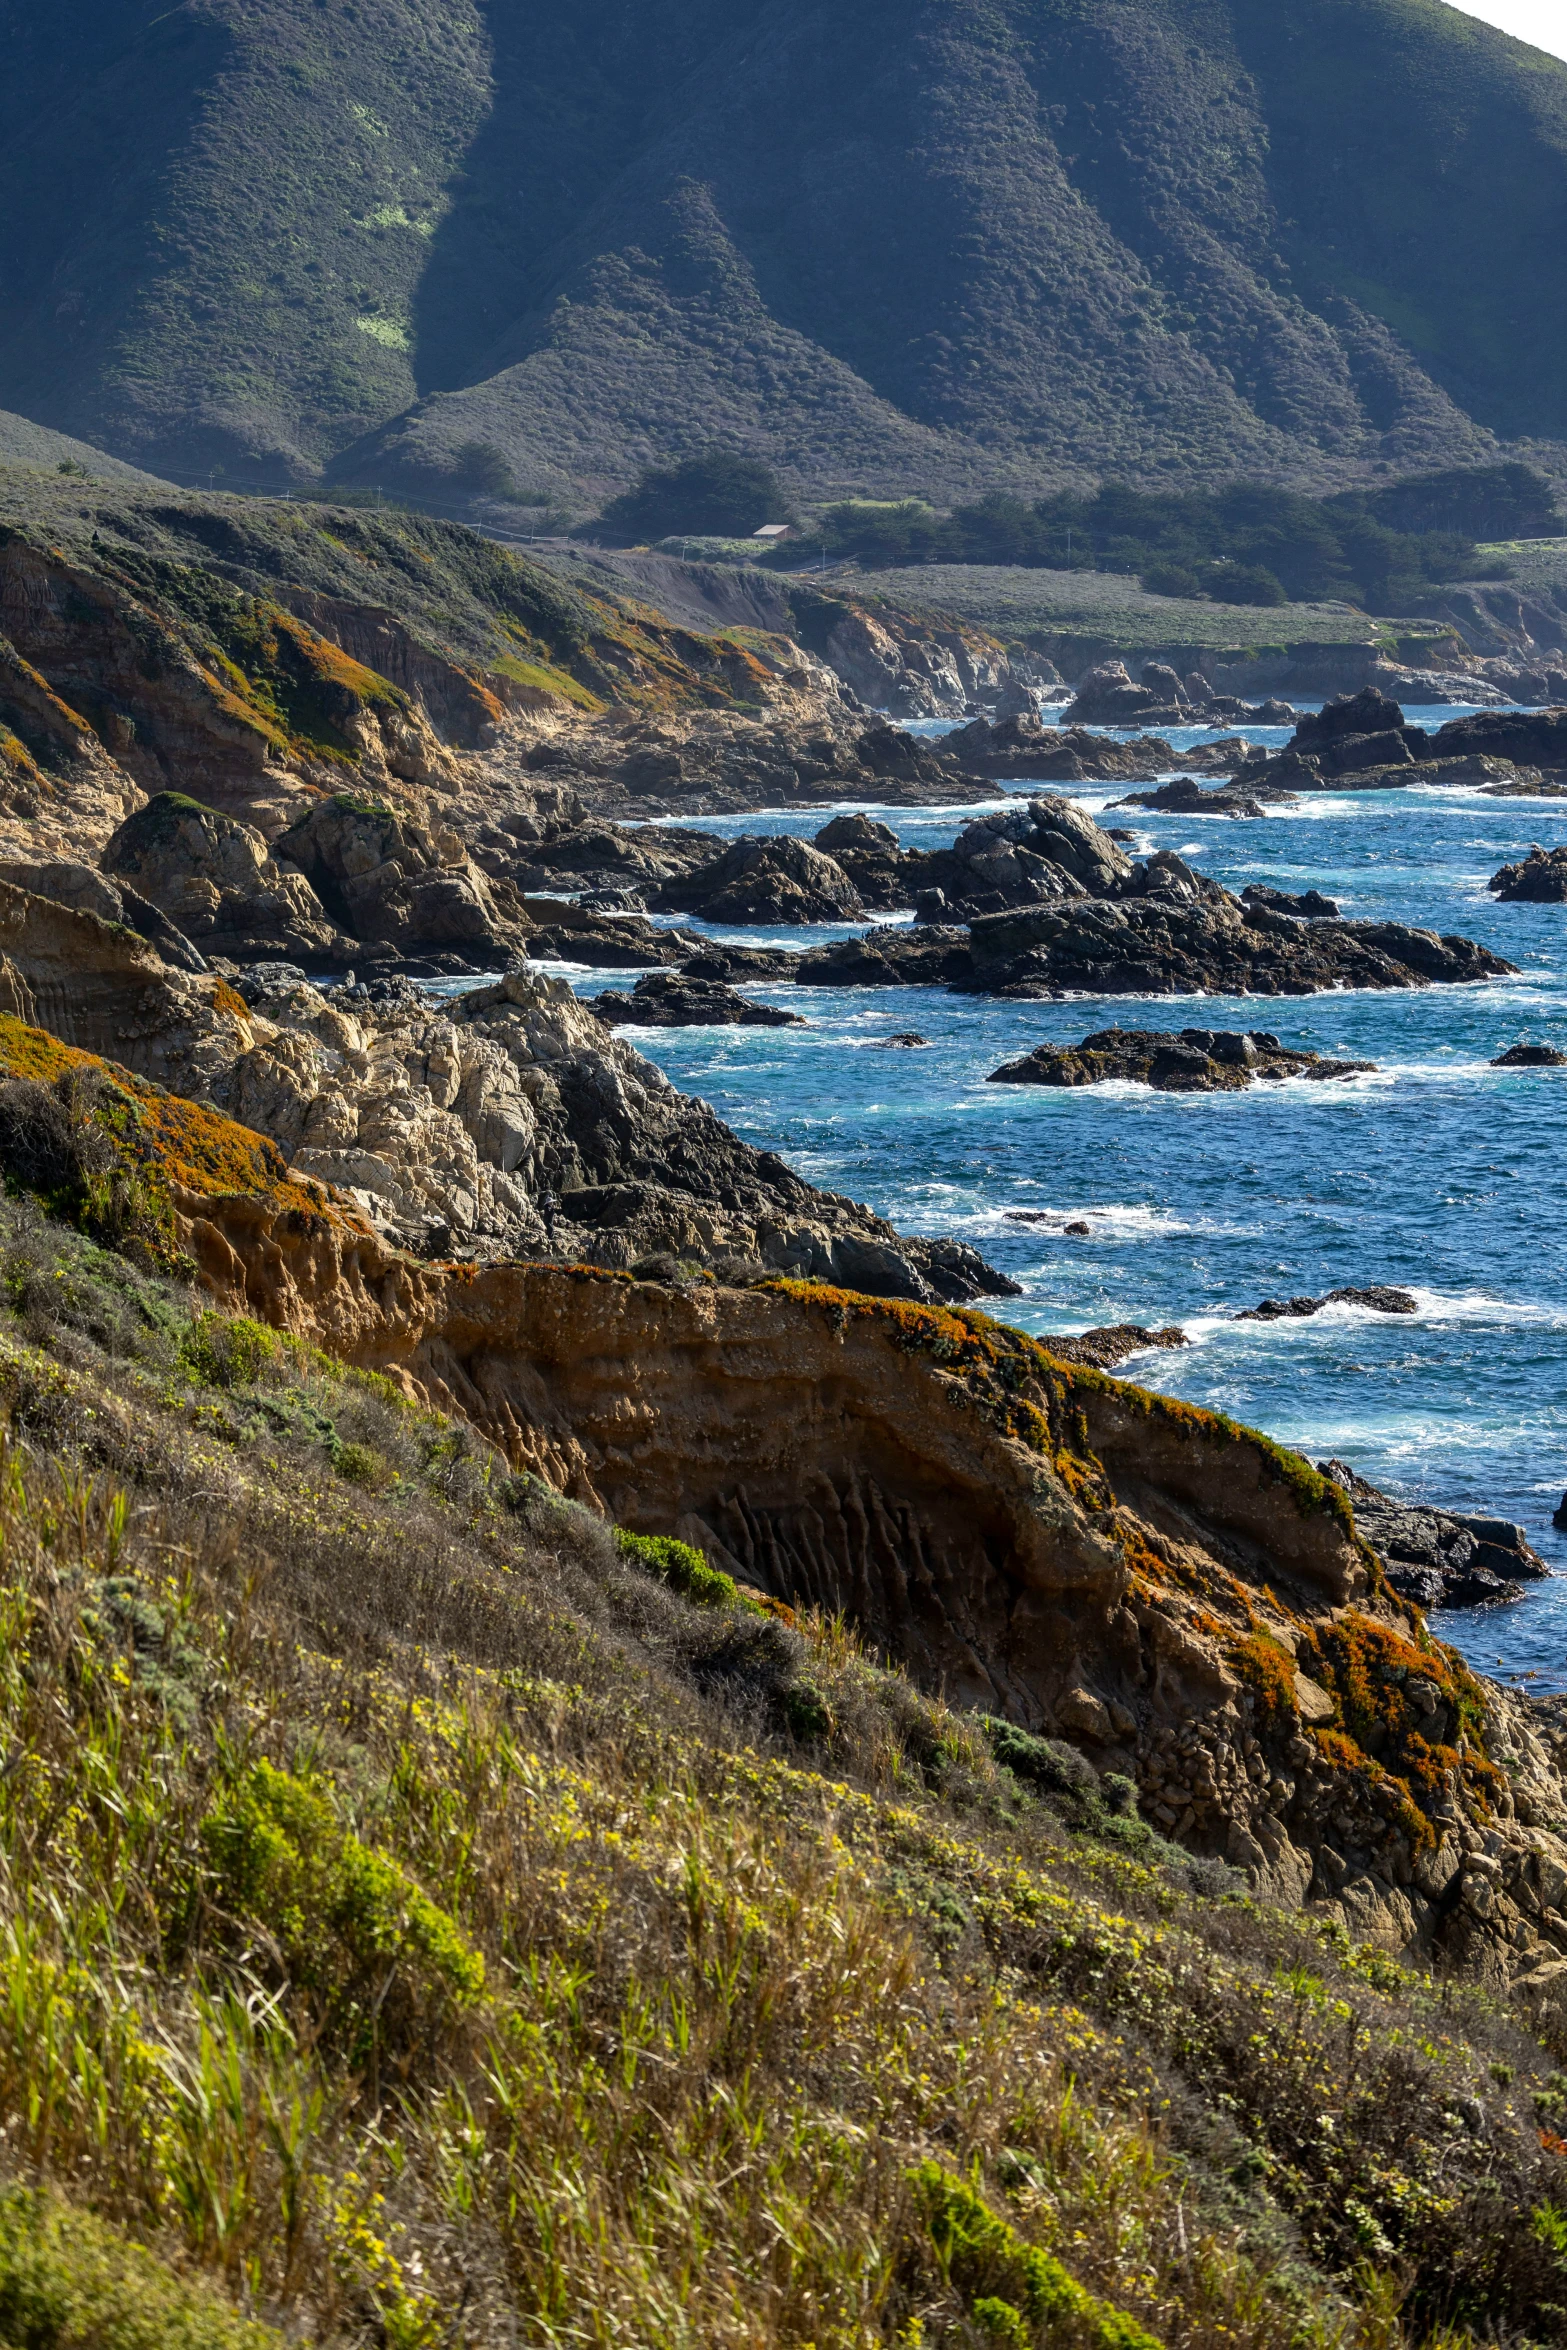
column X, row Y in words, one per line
column 1196, row 1060
column 1540, row 879
column 1307, row 905
column 1106, row 1350
column 1186, row 936
column 925, row 956
column 855, row 831
column 1020, row 750
column 669, row 999
column 1530, row 1056
column 719, row 960
column 1529, row 738
column 1346, row 717
column 1376, row 1300
column 907, row 1040
column 1027, row 854
column 776, row 879
column 1186, row 797
column 1439, row 1558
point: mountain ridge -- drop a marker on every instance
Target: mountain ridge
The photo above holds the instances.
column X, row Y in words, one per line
column 1000, row 243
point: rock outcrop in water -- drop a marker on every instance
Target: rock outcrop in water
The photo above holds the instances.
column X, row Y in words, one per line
column 1197, row 1060
column 1540, row 879
column 1181, row 935
column 1440, row 1558
column 667, row 999
column 1379, row 1299
column 1530, row 1056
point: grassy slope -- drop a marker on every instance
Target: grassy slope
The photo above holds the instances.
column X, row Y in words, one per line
column 1101, row 234
column 196, row 559
column 415, row 1915
column 1100, row 604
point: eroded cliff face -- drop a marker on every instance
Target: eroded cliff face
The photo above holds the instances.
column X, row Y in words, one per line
column 1185, row 1601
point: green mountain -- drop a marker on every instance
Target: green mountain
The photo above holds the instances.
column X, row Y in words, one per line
column 469, row 246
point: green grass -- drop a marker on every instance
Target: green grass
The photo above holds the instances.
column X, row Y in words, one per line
column 418, row 1898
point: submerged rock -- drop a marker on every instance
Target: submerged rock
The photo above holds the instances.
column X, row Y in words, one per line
column 1196, row 1060
column 1186, row 797
column 1376, row 1300
column 666, row 999
column 1439, row 1558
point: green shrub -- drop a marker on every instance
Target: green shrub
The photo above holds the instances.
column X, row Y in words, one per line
column 69, row 2282
column 680, row 1566
column 997, row 2269
column 341, row 1912
column 218, row 1352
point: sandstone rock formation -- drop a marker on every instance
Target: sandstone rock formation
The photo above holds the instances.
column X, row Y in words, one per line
column 1185, row 1603
column 386, row 879
column 1198, row 1060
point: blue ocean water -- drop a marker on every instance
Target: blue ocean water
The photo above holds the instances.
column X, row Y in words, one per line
column 1439, row 1174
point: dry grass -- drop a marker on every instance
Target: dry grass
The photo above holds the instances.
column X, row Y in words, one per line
column 428, row 1927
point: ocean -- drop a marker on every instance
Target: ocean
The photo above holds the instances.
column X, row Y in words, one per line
column 1439, row 1174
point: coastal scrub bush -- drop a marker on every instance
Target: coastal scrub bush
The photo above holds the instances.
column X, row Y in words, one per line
column 991, row 2263
column 679, row 1565
column 223, row 1351
column 718, row 492
column 68, row 2282
column 347, row 1920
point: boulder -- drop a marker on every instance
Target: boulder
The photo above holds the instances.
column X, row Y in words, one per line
column 383, row 877
column 1530, row 1056
column 216, row 879
column 1540, row 879
column 778, row 879
column 1366, row 713
column 1106, row 696
column 855, row 831
column 667, row 999
column 1376, row 1300
column 1197, row 1060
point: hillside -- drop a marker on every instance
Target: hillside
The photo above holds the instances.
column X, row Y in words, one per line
column 422, row 1898
column 481, row 249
